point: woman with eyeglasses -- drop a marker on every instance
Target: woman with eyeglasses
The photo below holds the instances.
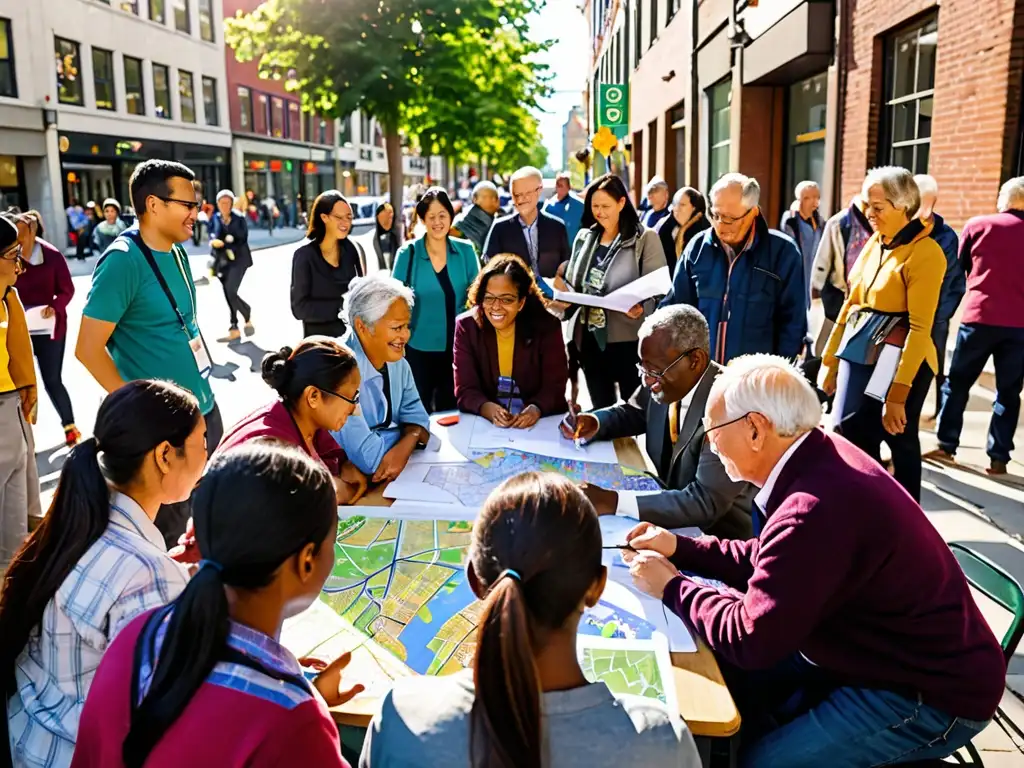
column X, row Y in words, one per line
column 510, row 364
column 611, row 250
column 323, row 267
column 391, row 421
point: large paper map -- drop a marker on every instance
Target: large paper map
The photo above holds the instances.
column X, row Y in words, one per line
column 472, row 482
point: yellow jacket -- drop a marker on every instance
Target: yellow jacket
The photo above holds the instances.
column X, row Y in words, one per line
column 19, row 346
column 908, row 279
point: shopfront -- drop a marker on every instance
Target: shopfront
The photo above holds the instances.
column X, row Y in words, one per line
column 805, row 133
column 12, row 183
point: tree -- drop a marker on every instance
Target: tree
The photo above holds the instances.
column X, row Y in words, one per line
column 447, row 73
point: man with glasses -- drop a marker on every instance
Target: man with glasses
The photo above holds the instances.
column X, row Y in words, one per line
column 746, row 279
column 139, row 320
column 677, row 374
column 538, row 238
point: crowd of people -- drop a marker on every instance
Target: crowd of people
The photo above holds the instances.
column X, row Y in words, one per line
column 140, row 621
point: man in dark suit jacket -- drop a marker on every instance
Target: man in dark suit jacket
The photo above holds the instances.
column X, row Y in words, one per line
column 538, row 238
column 677, row 378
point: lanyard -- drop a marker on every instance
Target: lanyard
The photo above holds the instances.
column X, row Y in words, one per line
column 137, row 239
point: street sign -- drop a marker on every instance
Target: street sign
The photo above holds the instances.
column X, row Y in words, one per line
column 613, row 108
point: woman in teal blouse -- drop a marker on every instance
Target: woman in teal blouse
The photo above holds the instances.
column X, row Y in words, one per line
column 439, row 268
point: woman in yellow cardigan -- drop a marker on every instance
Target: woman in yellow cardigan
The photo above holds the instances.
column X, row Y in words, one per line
column 896, row 281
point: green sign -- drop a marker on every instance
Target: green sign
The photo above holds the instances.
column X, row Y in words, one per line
column 613, row 108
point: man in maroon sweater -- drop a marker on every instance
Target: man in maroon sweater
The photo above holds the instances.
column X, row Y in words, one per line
column 847, row 631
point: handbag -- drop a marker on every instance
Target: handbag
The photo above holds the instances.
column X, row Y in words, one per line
column 868, row 331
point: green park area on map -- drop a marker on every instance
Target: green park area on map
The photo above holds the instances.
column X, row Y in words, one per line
column 625, row 671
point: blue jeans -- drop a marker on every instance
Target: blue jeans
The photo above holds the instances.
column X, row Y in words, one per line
column 975, row 343
column 793, row 717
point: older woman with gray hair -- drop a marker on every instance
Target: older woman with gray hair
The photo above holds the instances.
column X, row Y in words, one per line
column 391, row 421
column 880, row 359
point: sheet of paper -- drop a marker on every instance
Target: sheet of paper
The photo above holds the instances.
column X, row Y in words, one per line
column 39, row 325
column 656, row 283
column 411, row 510
column 453, row 442
column 542, row 438
column 884, row 372
column 621, row 592
column 615, row 527
column 627, row 666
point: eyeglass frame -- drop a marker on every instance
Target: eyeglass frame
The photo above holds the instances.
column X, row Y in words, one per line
column 16, row 249
column 728, row 220
column 350, row 400
column 660, row 375
column 345, row 219
column 708, row 430
column 506, row 300
column 194, row 205
column 523, row 197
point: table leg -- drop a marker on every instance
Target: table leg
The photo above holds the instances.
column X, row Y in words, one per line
column 704, row 750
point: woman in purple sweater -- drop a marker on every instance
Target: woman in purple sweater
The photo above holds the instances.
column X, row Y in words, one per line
column 46, row 282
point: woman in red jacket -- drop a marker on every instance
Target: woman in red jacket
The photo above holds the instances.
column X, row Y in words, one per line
column 510, row 363
column 46, row 287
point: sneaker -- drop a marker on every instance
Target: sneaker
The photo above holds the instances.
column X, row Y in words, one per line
column 233, row 335
column 250, row 329
column 996, row 468
column 939, row 455
column 72, row 436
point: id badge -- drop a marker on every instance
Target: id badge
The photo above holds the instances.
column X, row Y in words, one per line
column 201, row 356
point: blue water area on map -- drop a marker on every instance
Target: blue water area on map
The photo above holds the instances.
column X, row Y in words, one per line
column 626, row 625
column 443, row 606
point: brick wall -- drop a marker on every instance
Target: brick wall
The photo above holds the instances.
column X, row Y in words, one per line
column 977, row 96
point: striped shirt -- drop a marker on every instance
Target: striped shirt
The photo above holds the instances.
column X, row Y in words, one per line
column 123, row 574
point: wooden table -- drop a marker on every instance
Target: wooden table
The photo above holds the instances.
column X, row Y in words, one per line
column 704, row 700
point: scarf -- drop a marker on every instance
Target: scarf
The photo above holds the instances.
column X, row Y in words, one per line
column 681, row 234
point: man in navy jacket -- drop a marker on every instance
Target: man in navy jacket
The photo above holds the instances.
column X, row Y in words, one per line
column 746, row 279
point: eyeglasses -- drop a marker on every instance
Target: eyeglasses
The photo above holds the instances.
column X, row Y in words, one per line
column 349, row 400
column 192, row 205
column 659, row 375
column 716, row 216
column 709, row 427
column 13, row 254
column 504, row 301
column 524, row 196
column 343, row 219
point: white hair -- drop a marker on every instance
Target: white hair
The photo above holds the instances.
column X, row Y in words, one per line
column 685, row 325
column 484, row 186
column 369, row 298
column 803, row 186
column 1011, row 195
column 926, row 185
column 772, row 386
column 898, row 185
column 526, row 172
column 656, row 182
column 748, row 185
column 226, row 193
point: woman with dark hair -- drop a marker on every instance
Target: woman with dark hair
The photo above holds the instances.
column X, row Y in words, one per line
column 383, row 240
column 439, row 268
column 204, row 680
column 510, row 364
column 95, row 562
column 229, row 241
column 323, row 267
column 535, row 562
column 689, row 217
column 611, row 250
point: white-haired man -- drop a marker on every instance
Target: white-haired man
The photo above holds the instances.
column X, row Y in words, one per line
column 746, row 279
column 475, row 223
column 992, row 325
column 658, row 195
column 805, row 225
column 391, row 421
column 954, row 282
column 847, row 631
column 538, row 238
column 565, row 205
column 677, row 373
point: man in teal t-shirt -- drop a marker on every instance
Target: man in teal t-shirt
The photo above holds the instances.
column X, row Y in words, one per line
column 130, row 330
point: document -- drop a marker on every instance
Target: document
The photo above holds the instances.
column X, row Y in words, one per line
column 623, row 299
column 39, row 325
column 884, row 372
column 542, row 438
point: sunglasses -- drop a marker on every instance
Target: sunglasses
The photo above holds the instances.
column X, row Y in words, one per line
column 349, row 400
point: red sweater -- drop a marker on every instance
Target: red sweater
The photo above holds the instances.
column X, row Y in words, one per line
column 991, row 251
column 48, row 284
column 850, row 572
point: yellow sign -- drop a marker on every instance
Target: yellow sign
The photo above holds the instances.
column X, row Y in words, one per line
column 605, row 141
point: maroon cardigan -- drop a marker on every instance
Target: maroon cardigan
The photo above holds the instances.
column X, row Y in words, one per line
column 850, row 572
column 539, row 364
column 49, row 284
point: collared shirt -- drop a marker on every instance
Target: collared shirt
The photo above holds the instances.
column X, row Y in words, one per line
column 123, row 574
column 762, row 497
column 366, row 437
column 530, row 233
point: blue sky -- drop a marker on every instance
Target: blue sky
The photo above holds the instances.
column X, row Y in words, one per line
column 568, row 60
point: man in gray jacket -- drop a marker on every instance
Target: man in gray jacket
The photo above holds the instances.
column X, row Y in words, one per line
column 677, row 373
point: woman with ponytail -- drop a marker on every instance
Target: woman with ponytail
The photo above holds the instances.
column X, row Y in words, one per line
column 95, row 563
column 535, row 562
column 204, row 681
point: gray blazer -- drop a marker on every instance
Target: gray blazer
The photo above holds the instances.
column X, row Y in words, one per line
column 701, row 493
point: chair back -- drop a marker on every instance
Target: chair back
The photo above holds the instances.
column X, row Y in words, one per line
column 999, row 586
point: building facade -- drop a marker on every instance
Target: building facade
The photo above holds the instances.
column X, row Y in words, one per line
column 574, row 136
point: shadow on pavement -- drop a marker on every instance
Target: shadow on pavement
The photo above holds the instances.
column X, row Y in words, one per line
column 49, row 463
column 226, row 372
column 253, row 351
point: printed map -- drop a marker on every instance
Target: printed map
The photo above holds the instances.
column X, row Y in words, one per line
column 625, row 671
column 472, row 482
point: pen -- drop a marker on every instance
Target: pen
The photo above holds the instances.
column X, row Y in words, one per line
column 623, row 547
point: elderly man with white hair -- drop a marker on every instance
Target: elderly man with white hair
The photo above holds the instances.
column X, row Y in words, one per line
column 805, row 225
column 391, row 421
column 746, row 279
column 846, row 630
column 992, row 325
column 658, row 195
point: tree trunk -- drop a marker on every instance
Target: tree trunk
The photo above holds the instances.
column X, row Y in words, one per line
column 396, row 175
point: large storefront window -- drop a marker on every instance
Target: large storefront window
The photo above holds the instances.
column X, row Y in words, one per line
column 906, row 134
column 719, row 127
column 12, row 191
column 805, row 138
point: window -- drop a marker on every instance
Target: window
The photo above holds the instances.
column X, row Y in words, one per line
column 638, row 25
column 654, row 23
column 294, row 126
column 672, row 8
column 134, row 101
column 264, row 127
column 186, row 97
column 210, row 101
column 719, row 116
column 161, row 92
column 652, row 143
column 364, row 128
column 323, row 132
column 69, row 84
column 156, row 11
column 905, row 135
column 103, row 78
column 805, row 137
column 8, row 83
column 277, row 117
column 244, row 108
column 182, row 22
column 206, row 20
column 130, row 6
